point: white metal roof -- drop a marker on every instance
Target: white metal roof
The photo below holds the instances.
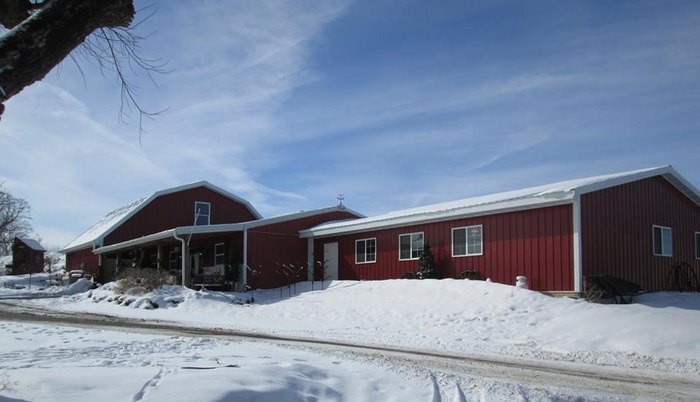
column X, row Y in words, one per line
column 221, row 228
column 550, row 194
column 97, row 232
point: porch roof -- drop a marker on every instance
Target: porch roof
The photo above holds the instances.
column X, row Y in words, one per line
column 184, row 231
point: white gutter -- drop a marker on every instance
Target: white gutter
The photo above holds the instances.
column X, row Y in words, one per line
column 184, row 269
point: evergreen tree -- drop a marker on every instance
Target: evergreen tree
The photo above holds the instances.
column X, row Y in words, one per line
column 426, row 263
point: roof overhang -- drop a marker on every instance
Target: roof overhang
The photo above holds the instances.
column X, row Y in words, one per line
column 216, row 229
column 539, row 200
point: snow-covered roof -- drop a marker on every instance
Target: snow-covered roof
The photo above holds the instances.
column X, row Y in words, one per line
column 183, row 231
column 31, row 243
column 98, row 231
column 550, row 194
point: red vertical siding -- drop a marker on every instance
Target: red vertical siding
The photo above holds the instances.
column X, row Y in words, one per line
column 83, row 259
column 177, row 209
column 279, row 243
column 616, row 229
column 540, row 248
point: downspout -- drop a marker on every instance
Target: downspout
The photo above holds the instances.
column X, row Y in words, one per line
column 182, row 252
column 578, row 267
column 244, row 271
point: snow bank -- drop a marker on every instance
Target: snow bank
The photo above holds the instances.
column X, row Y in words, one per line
column 446, row 315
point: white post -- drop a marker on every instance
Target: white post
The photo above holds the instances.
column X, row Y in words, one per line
column 578, row 271
column 184, row 258
column 244, row 270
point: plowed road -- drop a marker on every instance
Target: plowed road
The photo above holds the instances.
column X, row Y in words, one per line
column 625, row 383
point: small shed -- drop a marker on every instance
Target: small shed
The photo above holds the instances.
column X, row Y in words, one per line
column 27, row 256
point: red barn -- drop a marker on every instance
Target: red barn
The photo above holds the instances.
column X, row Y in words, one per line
column 212, row 236
column 632, row 225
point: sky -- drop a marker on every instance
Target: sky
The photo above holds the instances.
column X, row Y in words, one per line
column 392, row 104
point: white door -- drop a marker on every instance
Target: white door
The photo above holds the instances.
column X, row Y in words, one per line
column 330, row 258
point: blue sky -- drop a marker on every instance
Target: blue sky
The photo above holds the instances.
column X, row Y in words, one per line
column 394, row 104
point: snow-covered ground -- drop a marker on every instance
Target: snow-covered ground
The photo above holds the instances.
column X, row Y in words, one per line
column 660, row 331
column 53, row 363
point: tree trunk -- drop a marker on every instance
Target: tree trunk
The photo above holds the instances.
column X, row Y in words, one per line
column 30, row 50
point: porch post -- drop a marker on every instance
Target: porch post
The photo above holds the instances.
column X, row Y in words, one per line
column 244, row 270
column 310, row 258
column 159, row 257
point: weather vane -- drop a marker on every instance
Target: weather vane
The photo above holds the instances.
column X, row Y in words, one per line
column 340, row 198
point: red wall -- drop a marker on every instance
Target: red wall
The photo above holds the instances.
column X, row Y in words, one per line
column 177, row 209
column 616, row 229
column 537, row 243
column 280, row 243
column 86, row 258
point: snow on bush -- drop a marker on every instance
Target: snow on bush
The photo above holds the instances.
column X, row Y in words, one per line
column 166, row 296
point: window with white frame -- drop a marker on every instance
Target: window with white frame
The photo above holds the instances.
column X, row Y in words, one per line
column 468, row 240
column 219, row 252
column 202, row 211
column 410, row 245
column 697, row 245
column 663, row 244
column 365, row 251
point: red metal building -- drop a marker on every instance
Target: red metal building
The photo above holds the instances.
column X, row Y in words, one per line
column 632, row 225
column 201, row 233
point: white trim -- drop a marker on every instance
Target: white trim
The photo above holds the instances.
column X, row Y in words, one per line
column 244, row 269
column 197, row 215
column 100, row 237
column 529, row 198
column 653, row 248
column 375, row 250
column 466, row 241
column 697, row 249
column 218, row 228
column 577, row 249
column 411, row 245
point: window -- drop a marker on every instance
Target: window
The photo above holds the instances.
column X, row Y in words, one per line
column 662, row 241
column 172, row 260
column 365, row 251
column 467, row 241
column 219, row 252
column 410, row 246
column 201, row 213
column 697, row 245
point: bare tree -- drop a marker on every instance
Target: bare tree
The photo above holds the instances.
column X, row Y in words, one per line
column 42, row 33
column 14, row 220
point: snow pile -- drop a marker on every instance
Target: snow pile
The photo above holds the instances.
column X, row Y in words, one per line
column 41, row 285
column 168, row 296
column 4, row 261
column 458, row 316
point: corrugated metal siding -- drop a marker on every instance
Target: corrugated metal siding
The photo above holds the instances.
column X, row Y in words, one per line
column 616, row 228
column 177, row 209
column 536, row 243
column 86, row 258
column 280, row 243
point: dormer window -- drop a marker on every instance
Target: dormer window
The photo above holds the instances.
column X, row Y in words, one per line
column 202, row 211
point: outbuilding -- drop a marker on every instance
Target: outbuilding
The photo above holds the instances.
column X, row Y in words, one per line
column 633, row 225
column 27, row 256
